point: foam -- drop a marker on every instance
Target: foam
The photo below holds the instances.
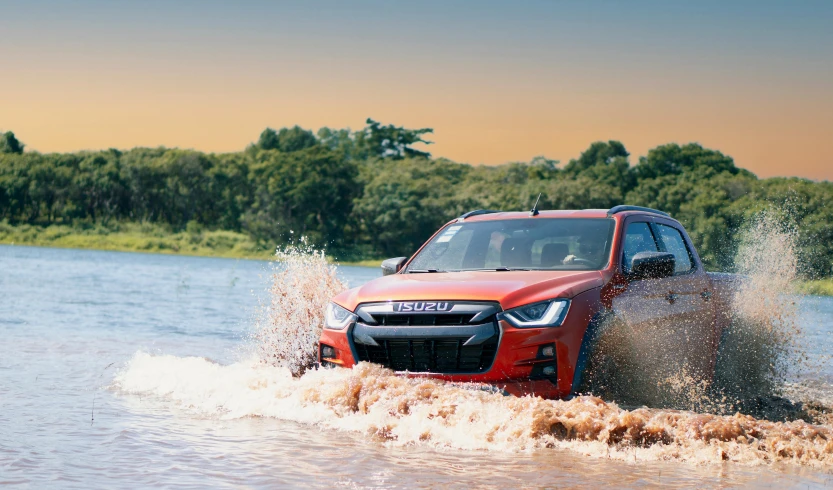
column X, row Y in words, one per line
column 396, row 410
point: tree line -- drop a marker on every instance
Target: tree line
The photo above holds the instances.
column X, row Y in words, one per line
column 370, row 193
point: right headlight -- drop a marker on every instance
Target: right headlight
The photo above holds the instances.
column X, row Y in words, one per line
column 337, row 318
column 544, row 314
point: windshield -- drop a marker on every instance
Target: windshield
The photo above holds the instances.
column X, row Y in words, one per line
column 518, row 244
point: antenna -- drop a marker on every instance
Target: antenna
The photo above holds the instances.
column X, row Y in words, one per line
column 534, row 211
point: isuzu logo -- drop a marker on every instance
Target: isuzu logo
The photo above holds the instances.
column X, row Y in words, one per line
column 421, row 306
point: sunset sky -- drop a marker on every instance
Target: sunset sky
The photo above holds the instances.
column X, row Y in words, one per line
column 498, row 81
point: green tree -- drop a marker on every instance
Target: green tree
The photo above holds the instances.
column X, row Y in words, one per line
column 10, row 144
column 295, row 139
column 606, row 163
column 599, row 153
column 673, row 159
column 304, row 193
column 339, row 140
column 268, row 140
column 286, row 140
column 391, row 141
column 405, row 201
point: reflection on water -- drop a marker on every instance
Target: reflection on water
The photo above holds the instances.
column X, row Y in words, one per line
column 67, row 315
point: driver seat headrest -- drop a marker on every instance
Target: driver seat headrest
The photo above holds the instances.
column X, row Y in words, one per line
column 553, row 254
column 514, row 253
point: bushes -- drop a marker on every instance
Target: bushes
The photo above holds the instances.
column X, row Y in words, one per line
column 369, row 194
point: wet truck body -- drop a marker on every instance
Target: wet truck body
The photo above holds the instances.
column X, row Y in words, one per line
column 516, row 299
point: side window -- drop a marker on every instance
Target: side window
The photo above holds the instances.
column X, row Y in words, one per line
column 638, row 238
column 675, row 244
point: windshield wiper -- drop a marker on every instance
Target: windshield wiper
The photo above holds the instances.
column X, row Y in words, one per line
column 499, row 269
column 490, row 269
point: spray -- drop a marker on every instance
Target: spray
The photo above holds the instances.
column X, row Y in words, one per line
column 302, row 284
column 761, row 348
column 400, row 411
column 277, row 382
column 758, row 351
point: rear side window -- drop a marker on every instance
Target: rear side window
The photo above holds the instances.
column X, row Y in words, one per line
column 675, row 244
column 638, row 238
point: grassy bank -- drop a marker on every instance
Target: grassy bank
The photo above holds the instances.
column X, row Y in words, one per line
column 136, row 237
column 145, row 237
column 821, row 287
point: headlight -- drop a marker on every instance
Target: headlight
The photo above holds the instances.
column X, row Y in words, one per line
column 546, row 314
column 337, row 318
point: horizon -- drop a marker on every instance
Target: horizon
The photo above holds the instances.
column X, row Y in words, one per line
column 498, row 83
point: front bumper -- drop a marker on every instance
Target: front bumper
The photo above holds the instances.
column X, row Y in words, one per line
column 518, row 364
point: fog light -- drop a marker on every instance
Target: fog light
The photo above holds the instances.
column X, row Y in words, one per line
column 327, row 352
column 548, row 371
column 548, row 351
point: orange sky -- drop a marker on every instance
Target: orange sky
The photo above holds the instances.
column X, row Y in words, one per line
column 489, row 99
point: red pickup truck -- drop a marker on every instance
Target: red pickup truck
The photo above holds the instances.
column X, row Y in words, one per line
column 516, row 299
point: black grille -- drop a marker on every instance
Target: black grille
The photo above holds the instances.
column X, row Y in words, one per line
column 437, row 355
column 423, row 319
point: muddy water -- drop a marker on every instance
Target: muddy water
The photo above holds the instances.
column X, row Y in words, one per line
column 137, row 370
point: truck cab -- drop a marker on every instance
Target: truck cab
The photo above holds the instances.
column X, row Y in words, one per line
column 516, row 299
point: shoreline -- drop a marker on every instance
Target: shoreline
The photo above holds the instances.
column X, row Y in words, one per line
column 816, row 287
column 142, row 238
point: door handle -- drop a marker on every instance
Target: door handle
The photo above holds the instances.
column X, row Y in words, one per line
column 706, row 295
column 671, row 297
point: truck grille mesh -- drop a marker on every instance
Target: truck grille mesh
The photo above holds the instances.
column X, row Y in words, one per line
column 435, row 355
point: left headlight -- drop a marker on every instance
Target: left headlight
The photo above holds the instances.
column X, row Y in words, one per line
column 545, row 314
column 337, row 318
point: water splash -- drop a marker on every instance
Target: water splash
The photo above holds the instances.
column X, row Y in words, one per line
column 761, row 348
column 648, row 366
column 402, row 411
column 758, row 350
column 303, row 283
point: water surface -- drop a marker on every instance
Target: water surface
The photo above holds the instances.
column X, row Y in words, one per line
column 71, row 319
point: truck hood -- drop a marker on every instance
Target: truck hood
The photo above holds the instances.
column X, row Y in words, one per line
column 509, row 288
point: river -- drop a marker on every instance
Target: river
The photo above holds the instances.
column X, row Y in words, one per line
column 77, row 326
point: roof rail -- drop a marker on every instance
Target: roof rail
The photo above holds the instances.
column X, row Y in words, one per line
column 476, row 212
column 622, row 208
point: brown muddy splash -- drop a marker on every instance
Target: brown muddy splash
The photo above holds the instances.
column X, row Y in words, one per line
column 661, row 434
column 762, row 348
column 758, row 350
column 303, row 282
column 403, row 411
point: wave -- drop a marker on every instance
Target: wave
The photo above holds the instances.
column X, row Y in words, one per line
column 402, row 411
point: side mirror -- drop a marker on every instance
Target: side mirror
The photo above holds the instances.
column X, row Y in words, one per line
column 651, row 265
column 392, row 266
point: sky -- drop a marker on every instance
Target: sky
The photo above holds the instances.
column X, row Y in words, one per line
column 497, row 81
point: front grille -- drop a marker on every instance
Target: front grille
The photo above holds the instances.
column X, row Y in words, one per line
column 462, row 338
column 435, row 355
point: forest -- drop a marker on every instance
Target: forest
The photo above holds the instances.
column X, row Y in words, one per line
column 370, row 193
